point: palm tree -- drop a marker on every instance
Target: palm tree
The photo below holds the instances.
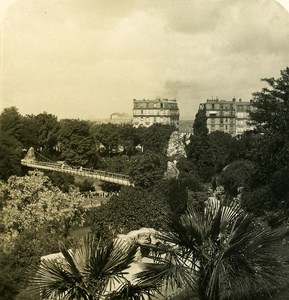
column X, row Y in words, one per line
column 91, row 271
column 219, row 253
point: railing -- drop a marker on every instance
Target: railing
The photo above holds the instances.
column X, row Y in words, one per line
column 96, row 174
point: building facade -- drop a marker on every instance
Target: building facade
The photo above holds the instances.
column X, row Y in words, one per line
column 147, row 112
column 227, row 116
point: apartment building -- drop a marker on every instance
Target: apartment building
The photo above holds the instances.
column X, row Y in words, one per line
column 227, row 116
column 147, row 112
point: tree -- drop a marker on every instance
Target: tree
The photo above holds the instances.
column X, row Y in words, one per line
column 41, row 132
column 200, row 123
column 47, row 133
column 116, row 164
column 147, row 169
column 156, row 137
column 89, row 271
column 61, row 180
column 10, row 156
column 30, row 132
column 11, row 123
column 32, row 202
column 108, row 135
column 77, row 144
column 220, row 253
column 270, row 116
column 270, row 111
column 34, row 216
column 270, row 146
column 210, row 153
column 199, row 146
column 132, row 209
column 28, row 247
column 130, row 138
column 236, row 175
column 113, row 139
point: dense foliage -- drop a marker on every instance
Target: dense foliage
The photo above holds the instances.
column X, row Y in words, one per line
column 34, row 216
column 255, row 163
column 220, row 252
column 268, row 190
column 37, row 210
column 130, row 210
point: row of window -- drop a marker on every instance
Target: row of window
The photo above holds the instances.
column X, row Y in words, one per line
column 222, row 126
column 157, row 119
column 238, row 107
column 156, row 105
column 221, row 113
column 156, row 112
column 222, row 120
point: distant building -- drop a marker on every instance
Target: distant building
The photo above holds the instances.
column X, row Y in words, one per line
column 116, row 118
column 227, row 116
column 148, row 112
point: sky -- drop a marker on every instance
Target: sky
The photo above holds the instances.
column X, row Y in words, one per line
column 88, row 59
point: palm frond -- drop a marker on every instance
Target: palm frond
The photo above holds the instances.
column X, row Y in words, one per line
column 134, row 292
column 169, row 275
column 225, row 248
column 71, row 262
column 251, row 258
column 53, row 277
column 85, row 272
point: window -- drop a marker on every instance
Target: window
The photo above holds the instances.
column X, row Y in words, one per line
column 221, row 120
column 212, row 120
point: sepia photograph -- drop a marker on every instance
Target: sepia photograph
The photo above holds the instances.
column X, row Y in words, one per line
column 144, row 150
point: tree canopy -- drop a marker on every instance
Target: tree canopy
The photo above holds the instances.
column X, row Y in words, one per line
column 32, row 202
column 77, row 144
column 271, row 105
column 11, row 122
column 268, row 189
column 200, row 123
column 10, row 155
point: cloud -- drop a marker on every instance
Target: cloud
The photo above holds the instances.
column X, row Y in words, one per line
column 90, row 58
column 255, row 27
